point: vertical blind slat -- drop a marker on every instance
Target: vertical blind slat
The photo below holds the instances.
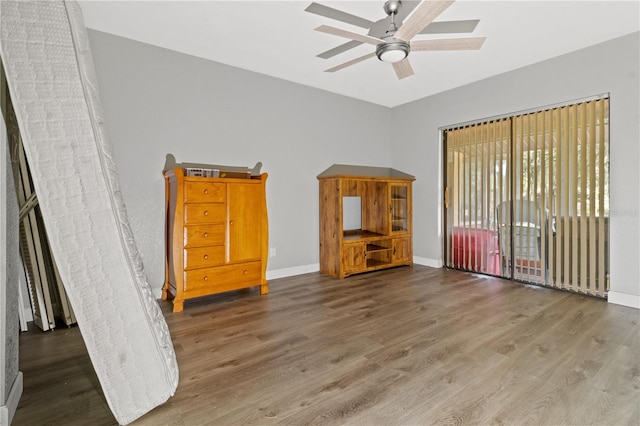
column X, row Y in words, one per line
column 566, row 197
column 548, row 193
column 591, row 123
column 602, row 151
column 557, row 120
column 492, row 196
column 467, row 231
column 538, row 208
column 484, row 164
column 574, row 197
column 514, row 185
column 541, row 132
column 477, row 135
column 501, row 145
column 584, row 176
column 448, row 210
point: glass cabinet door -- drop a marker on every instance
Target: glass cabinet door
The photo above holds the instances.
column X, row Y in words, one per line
column 399, row 208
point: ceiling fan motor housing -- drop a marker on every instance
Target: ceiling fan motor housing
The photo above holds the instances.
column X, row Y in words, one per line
column 392, row 50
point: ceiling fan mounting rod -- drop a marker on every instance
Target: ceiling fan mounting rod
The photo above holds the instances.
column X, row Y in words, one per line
column 391, row 7
column 392, row 49
column 393, row 28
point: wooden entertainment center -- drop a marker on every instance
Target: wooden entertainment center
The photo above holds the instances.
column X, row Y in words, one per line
column 365, row 219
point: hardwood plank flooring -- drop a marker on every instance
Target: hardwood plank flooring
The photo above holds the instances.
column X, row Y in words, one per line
column 406, row 346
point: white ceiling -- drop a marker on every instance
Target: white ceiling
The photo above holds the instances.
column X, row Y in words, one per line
column 276, row 38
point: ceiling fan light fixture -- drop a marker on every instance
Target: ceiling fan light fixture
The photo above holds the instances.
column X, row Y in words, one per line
column 392, row 51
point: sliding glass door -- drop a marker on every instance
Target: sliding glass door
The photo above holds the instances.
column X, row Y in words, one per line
column 478, row 161
column 527, row 197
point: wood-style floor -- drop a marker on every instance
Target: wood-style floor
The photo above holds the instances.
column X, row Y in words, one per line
column 407, row 346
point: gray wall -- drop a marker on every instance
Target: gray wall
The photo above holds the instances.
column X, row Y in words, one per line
column 610, row 67
column 157, row 101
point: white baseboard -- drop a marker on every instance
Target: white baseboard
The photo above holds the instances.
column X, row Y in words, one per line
column 289, row 272
column 434, row 263
column 9, row 410
column 630, row 300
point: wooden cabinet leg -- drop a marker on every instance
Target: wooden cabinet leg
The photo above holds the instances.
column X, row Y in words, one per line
column 165, row 291
column 264, row 289
column 178, row 305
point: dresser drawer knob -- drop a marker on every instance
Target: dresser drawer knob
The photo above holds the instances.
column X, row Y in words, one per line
column 245, row 272
column 206, row 234
column 205, row 278
column 206, row 213
column 206, row 191
column 206, row 256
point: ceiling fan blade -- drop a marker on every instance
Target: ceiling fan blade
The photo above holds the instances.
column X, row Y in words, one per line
column 338, row 15
column 451, row 27
column 465, row 43
column 351, row 62
column 403, row 69
column 348, row 34
column 421, row 16
column 337, row 50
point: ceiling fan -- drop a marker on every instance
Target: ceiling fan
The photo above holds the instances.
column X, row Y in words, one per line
column 393, row 35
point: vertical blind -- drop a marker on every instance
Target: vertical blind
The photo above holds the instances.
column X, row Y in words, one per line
column 477, row 177
column 527, row 197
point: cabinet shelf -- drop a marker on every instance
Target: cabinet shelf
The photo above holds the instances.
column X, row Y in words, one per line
column 360, row 234
column 372, row 263
column 374, row 247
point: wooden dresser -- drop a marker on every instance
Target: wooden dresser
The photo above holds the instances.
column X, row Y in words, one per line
column 216, row 235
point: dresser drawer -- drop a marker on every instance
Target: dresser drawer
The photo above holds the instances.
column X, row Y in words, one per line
column 204, row 192
column 203, row 235
column 204, row 213
column 203, row 257
column 223, row 278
